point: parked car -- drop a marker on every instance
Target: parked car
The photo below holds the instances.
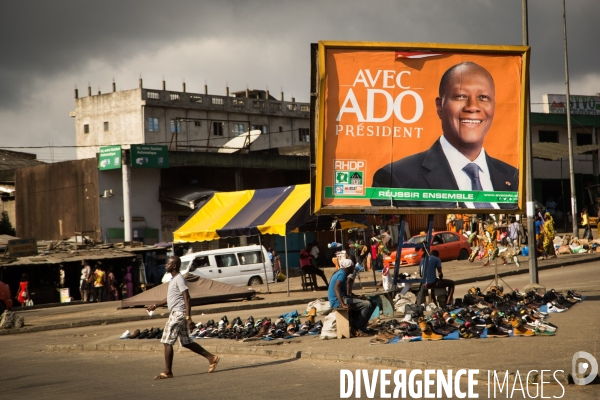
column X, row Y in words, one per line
column 5, row 297
column 450, row 245
column 238, row 266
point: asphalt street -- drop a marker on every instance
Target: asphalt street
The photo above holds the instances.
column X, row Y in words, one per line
column 33, row 370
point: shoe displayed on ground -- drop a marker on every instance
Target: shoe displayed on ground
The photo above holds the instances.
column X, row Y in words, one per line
column 426, row 332
column 316, row 329
column 494, row 331
column 125, row 335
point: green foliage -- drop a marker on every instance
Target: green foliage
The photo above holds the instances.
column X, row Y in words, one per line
column 6, row 227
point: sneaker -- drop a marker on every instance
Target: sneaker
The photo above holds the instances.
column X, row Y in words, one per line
column 494, row 331
column 125, row 335
column 316, row 329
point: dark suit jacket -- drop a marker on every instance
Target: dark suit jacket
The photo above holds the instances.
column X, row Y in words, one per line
column 430, row 170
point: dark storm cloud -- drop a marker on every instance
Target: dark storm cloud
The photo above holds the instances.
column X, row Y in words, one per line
column 48, row 46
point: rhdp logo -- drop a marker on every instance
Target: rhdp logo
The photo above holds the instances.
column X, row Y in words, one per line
column 583, row 368
column 349, row 177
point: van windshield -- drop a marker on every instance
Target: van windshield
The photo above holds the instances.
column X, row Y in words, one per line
column 251, row 257
column 226, row 260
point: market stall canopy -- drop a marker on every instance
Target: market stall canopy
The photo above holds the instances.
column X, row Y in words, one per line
column 274, row 211
column 201, row 291
column 187, row 196
column 318, row 223
column 556, row 151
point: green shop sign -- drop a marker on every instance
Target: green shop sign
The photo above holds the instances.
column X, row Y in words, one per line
column 110, row 158
column 149, row 156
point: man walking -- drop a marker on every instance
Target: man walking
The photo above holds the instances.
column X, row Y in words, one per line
column 180, row 321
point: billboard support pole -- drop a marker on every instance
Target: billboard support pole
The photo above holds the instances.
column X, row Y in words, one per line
column 398, row 253
column 530, row 209
column 425, row 259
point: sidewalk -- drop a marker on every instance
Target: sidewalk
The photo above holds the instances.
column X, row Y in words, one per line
column 80, row 315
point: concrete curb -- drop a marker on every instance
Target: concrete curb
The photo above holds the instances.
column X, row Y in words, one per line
column 563, row 378
column 133, row 318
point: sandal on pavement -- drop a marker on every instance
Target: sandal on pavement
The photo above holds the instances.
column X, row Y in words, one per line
column 162, row 375
column 213, row 365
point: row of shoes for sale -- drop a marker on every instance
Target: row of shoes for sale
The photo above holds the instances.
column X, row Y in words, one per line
column 150, row 333
column 263, row 328
column 479, row 315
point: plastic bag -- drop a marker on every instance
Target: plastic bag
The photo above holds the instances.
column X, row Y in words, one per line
column 329, row 330
column 28, row 303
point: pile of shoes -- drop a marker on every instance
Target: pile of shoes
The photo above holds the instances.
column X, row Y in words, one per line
column 478, row 315
column 151, row 333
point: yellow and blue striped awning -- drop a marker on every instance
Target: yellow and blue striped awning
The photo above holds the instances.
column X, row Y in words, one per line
column 250, row 212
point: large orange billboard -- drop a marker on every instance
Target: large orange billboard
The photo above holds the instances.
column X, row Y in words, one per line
column 419, row 128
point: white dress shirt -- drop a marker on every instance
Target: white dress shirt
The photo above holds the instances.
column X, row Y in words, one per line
column 458, row 161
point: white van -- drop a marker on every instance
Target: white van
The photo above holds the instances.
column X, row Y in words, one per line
column 238, row 266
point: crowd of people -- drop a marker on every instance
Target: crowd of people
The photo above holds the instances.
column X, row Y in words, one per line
column 100, row 284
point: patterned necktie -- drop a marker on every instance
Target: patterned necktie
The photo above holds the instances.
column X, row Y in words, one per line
column 472, row 170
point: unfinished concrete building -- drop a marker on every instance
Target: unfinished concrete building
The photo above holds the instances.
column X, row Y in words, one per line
column 189, row 121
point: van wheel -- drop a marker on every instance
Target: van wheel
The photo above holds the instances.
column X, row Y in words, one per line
column 463, row 255
column 254, row 281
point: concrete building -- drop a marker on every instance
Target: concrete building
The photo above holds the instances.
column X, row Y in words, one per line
column 189, row 121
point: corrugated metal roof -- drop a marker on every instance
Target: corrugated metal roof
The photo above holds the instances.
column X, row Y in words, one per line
column 15, row 160
column 556, row 151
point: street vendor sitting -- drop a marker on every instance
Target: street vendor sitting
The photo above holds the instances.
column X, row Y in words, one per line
column 361, row 309
column 430, row 277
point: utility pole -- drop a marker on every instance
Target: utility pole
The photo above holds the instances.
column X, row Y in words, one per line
column 569, row 133
column 126, row 170
column 533, row 267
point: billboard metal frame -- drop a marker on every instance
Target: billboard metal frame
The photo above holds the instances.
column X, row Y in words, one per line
column 318, row 89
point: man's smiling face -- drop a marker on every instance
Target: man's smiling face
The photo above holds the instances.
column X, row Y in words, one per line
column 466, row 108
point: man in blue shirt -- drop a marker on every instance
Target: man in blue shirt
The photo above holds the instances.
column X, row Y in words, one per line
column 338, row 296
column 431, row 281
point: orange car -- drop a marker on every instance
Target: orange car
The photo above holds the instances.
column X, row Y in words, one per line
column 450, row 245
column 5, row 299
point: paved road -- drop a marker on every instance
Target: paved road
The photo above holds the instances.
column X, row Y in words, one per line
column 34, row 371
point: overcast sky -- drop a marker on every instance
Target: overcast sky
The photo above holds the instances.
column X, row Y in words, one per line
column 51, row 47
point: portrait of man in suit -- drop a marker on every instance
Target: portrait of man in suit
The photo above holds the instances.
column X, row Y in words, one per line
column 457, row 160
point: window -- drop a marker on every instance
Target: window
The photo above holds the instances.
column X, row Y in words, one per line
column 437, row 239
column 86, row 128
column 199, row 262
column 261, row 128
column 305, row 108
column 218, row 128
column 152, row 124
column 197, row 123
column 584, row 139
column 292, row 107
column 450, row 237
column 174, row 96
column 259, row 104
column 281, row 129
column 251, row 257
column 217, row 100
column 226, row 260
column 238, row 129
column 195, row 99
column 304, row 135
column 548, row 136
column 238, row 102
column 106, row 127
column 276, row 107
column 173, row 122
column 153, row 95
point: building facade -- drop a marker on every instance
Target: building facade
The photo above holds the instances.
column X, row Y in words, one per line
column 189, row 121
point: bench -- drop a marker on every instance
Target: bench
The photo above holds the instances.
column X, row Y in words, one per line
column 342, row 322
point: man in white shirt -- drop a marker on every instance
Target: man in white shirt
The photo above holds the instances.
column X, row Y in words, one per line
column 457, row 160
column 180, row 320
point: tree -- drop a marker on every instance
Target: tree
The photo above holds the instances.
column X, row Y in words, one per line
column 6, row 227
